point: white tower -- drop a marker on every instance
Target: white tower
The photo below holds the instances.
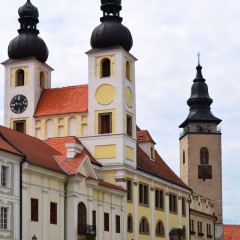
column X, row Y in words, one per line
column 111, row 91
column 26, row 72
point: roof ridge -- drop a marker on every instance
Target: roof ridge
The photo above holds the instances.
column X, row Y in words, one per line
column 65, row 87
column 6, row 140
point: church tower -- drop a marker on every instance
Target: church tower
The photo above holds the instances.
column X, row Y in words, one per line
column 200, row 148
column 111, row 90
column 26, row 73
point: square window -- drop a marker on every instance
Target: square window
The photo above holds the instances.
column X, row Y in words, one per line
column 105, row 123
column 19, row 126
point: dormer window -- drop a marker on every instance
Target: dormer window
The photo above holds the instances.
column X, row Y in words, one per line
column 106, row 67
column 140, row 138
column 20, row 78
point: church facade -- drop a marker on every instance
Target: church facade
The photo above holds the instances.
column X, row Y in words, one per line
column 87, row 171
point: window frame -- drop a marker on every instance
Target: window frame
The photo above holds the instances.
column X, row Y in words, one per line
column 94, row 218
column 100, row 122
column 129, row 125
column 5, row 220
column 192, row 227
column 19, row 82
column 106, row 222
column 105, row 72
column 5, row 182
column 204, row 156
column 128, row 67
column 200, row 229
column 130, row 223
column 129, row 191
column 24, row 122
column 53, row 213
column 160, row 230
column 118, row 223
column 143, row 194
column 159, row 199
column 144, row 226
column 183, row 206
column 34, row 210
column 173, row 203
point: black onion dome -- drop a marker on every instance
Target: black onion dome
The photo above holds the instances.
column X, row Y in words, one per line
column 27, row 44
column 199, row 102
column 111, row 32
column 28, row 10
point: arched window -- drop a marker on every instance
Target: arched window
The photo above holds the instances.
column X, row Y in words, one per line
column 130, row 223
column 105, row 67
column 204, row 155
column 128, row 71
column 82, row 218
column 183, row 157
column 144, row 226
column 20, row 78
column 42, row 80
column 160, row 232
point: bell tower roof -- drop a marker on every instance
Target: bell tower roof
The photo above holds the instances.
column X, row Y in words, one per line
column 111, row 32
column 27, row 44
column 199, row 102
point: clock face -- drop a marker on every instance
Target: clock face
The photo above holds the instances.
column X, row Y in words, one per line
column 19, row 104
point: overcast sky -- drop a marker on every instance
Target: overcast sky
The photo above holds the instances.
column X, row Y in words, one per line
column 167, row 37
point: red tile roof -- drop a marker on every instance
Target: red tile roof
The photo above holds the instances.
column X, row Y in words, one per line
column 56, row 101
column 35, row 151
column 231, row 232
column 144, row 136
column 4, row 145
column 157, row 167
column 71, row 166
column 106, row 184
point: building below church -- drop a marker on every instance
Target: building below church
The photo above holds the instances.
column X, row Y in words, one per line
column 74, row 163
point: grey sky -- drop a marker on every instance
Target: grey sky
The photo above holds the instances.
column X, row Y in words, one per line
column 167, row 37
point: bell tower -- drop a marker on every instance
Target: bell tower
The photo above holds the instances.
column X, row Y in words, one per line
column 111, row 90
column 26, row 73
column 200, row 148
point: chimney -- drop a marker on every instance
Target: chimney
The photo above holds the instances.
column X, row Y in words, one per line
column 73, row 149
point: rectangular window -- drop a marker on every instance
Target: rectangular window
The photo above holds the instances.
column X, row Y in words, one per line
column 129, row 190
column 4, row 214
column 159, row 199
column 94, row 218
column 183, row 206
column 143, row 194
column 106, row 222
column 34, row 210
column 53, row 213
column 209, row 230
column 105, row 123
column 117, row 224
column 19, row 126
column 192, row 227
column 173, row 203
column 4, row 176
column 200, row 232
column 152, row 152
column 129, row 125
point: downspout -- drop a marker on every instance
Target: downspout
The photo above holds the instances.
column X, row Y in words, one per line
column 189, row 214
column 21, row 203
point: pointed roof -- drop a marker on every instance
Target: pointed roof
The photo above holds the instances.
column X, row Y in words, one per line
column 144, row 136
column 57, row 101
column 199, row 102
column 5, row 146
column 34, row 150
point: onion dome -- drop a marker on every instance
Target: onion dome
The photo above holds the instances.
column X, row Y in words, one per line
column 199, row 102
column 111, row 32
column 27, row 44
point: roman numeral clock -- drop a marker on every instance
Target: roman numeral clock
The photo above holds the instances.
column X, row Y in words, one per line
column 19, row 104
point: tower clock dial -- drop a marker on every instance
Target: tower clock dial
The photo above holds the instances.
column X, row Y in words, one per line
column 19, row 104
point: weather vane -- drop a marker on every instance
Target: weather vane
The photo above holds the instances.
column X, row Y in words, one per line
column 198, row 58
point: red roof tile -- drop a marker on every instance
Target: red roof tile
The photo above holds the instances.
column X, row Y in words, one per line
column 64, row 100
column 144, row 136
column 157, row 167
column 4, row 145
column 71, row 166
column 231, row 232
column 35, row 151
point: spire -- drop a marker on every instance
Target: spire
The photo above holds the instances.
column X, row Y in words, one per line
column 199, row 102
column 111, row 9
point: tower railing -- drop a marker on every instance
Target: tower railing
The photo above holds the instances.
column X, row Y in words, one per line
column 200, row 129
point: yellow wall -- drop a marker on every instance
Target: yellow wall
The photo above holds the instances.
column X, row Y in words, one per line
column 129, row 153
column 105, row 151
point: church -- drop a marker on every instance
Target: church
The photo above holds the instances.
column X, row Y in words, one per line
column 74, row 163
